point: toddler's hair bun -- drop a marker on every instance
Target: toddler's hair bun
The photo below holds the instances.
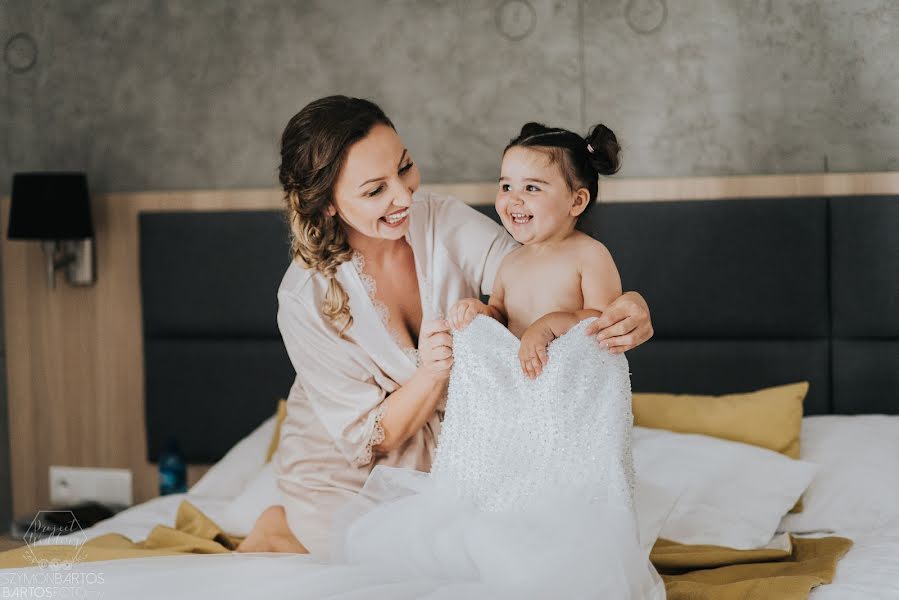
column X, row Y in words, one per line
column 605, row 154
column 532, row 129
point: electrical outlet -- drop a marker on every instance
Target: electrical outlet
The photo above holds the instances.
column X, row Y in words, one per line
column 71, row 485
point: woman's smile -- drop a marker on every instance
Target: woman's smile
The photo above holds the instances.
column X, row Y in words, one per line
column 397, row 218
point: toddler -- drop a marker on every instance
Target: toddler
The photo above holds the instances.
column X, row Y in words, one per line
column 559, row 276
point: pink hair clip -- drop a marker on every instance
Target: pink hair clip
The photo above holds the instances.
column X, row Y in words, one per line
column 589, row 148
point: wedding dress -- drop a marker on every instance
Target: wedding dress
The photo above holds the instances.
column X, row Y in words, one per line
column 532, row 491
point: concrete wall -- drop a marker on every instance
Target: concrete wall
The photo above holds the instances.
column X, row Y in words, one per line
column 182, row 94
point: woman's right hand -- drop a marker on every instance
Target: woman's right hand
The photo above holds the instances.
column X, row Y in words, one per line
column 624, row 324
column 435, row 349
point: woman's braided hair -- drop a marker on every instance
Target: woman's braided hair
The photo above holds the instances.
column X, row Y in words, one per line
column 313, row 149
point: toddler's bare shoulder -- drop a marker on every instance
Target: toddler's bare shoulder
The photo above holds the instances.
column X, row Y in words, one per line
column 513, row 259
column 591, row 250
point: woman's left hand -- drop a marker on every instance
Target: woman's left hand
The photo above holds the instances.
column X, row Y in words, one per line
column 624, row 325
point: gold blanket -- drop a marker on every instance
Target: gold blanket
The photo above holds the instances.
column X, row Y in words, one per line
column 690, row 572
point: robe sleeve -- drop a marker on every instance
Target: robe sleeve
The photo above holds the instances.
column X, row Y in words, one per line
column 342, row 393
column 477, row 242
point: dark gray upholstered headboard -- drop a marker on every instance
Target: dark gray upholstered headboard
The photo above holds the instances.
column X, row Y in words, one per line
column 750, row 293
column 214, row 363
column 744, row 294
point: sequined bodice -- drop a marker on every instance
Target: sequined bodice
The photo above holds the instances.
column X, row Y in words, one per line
column 508, row 441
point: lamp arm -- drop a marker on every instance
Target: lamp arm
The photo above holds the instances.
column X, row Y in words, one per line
column 49, row 247
column 56, row 258
column 64, row 260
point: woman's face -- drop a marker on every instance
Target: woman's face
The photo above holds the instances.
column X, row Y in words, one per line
column 534, row 201
column 374, row 190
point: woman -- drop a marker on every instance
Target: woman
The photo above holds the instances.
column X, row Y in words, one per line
column 361, row 309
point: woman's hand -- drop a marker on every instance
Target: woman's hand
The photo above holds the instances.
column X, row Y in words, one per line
column 532, row 353
column 435, row 349
column 624, row 325
column 464, row 311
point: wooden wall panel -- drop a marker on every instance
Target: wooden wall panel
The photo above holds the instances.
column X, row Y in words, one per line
column 711, row 188
column 74, row 355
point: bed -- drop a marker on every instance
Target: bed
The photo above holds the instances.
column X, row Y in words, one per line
column 745, row 294
column 856, row 492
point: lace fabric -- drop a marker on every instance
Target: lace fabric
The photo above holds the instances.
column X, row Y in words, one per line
column 371, row 288
column 377, row 436
column 368, row 282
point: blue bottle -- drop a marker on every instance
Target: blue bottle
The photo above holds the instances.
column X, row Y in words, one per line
column 172, row 470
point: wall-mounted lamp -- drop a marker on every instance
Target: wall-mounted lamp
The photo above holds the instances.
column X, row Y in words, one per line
column 55, row 209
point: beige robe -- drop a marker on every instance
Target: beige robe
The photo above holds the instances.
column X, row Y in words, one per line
column 335, row 404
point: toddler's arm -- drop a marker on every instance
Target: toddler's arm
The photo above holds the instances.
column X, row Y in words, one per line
column 600, row 285
column 465, row 310
column 497, row 304
column 560, row 322
column 600, row 281
column 532, row 352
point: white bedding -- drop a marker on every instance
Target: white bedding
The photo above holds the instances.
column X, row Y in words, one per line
column 869, row 571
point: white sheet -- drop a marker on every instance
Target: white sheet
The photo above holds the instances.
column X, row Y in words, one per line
column 857, row 486
column 869, row 571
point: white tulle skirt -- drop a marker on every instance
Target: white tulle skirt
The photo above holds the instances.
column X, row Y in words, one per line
column 427, row 543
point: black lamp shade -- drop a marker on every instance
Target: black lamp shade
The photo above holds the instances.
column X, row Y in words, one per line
column 50, row 206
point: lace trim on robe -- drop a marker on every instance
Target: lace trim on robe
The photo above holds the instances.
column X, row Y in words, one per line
column 377, row 436
column 368, row 282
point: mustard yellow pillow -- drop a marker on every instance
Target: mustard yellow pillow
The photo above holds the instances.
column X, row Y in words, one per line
column 276, row 436
column 770, row 417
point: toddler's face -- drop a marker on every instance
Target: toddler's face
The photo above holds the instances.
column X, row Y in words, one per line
column 534, row 201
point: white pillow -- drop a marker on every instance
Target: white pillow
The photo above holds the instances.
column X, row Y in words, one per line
column 731, row 494
column 262, row 492
column 230, row 476
column 858, row 484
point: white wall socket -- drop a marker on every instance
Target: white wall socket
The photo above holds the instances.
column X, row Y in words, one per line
column 71, row 485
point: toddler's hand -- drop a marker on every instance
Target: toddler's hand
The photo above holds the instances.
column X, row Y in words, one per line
column 532, row 352
column 464, row 311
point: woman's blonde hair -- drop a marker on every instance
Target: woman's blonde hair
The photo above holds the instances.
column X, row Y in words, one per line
column 313, row 149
